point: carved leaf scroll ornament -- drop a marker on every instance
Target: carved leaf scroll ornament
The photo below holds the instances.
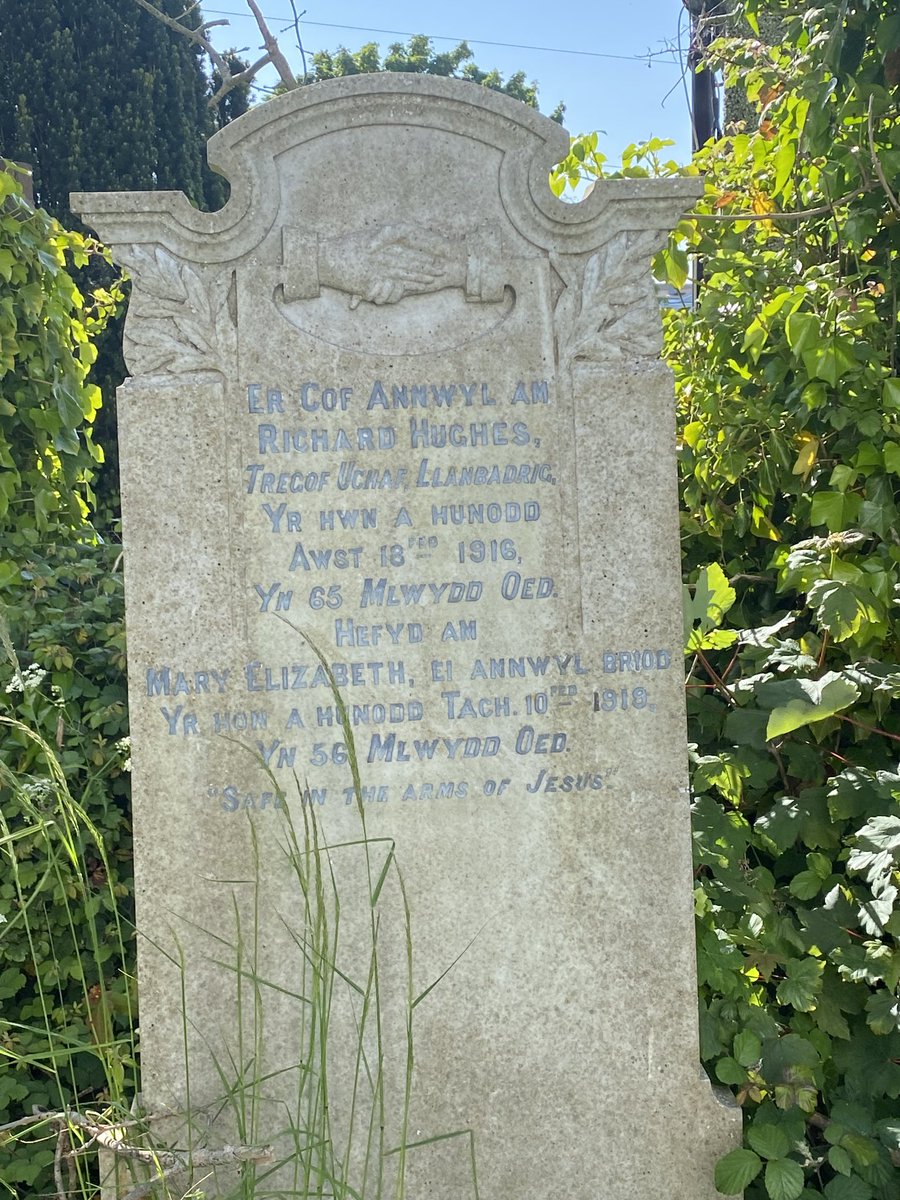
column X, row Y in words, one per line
column 179, row 319
column 611, row 315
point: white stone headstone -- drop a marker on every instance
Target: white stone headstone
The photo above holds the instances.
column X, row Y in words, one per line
column 398, row 398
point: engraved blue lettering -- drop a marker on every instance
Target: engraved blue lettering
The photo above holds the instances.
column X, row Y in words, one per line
column 377, row 396
column 527, row 742
column 515, row 587
column 349, row 518
column 459, row 707
column 460, row 631
column 283, row 601
column 158, row 681
column 309, row 559
column 172, row 718
column 240, row 722
column 636, row 660
column 277, row 515
column 286, row 754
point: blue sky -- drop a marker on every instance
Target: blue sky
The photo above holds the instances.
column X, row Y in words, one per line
column 625, row 79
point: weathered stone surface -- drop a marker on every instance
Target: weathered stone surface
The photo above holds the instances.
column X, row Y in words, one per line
column 398, row 397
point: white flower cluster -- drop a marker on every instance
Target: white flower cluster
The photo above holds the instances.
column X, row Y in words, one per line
column 38, row 791
column 123, row 746
column 28, row 680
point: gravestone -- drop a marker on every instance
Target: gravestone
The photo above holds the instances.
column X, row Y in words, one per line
column 399, row 400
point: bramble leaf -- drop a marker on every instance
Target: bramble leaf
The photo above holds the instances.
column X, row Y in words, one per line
column 769, row 1141
column 784, row 1179
column 848, row 1187
column 736, row 1170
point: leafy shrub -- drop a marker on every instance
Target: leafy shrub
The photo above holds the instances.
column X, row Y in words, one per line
column 789, row 403
column 64, row 994
column 789, row 410
column 47, row 404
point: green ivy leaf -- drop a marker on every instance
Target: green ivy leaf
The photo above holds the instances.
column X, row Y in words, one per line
column 9, row 574
column 715, row 639
column 820, row 865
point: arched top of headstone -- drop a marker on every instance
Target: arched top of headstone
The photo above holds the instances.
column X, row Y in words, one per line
column 494, row 142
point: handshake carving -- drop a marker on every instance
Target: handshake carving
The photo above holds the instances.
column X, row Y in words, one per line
column 385, row 263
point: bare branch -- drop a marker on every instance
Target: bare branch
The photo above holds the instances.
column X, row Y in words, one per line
column 876, row 162
column 194, row 35
column 281, row 64
column 237, row 78
column 230, row 79
column 797, row 215
column 145, row 1188
column 187, row 11
column 174, row 1162
column 40, row 1118
column 110, row 1136
column 227, row 1156
column 201, row 1158
column 297, row 17
column 62, row 1145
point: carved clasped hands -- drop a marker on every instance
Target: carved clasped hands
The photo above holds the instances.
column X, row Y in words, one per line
column 383, row 264
column 386, row 264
